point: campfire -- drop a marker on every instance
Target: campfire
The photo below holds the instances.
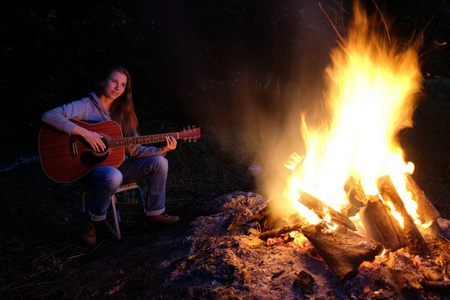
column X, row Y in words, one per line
column 350, row 200
column 352, row 190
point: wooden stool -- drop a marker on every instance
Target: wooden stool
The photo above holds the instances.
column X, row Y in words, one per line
column 116, row 206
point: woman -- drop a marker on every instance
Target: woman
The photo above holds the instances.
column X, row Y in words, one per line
column 114, row 101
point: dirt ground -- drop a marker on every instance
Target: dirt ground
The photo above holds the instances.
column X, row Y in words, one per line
column 62, row 267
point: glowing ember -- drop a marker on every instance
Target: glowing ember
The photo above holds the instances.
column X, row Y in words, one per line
column 300, row 241
column 275, row 240
column 370, row 92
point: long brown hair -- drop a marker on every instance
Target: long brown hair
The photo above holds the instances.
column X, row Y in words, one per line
column 122, row 108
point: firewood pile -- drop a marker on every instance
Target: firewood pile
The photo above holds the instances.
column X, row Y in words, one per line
column 233, row 254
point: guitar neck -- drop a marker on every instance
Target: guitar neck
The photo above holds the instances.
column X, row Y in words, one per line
column 138, row 140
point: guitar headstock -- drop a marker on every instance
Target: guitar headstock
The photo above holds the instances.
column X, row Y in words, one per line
column 191, row 133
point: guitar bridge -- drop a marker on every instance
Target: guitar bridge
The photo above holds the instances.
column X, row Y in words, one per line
column 73, row 147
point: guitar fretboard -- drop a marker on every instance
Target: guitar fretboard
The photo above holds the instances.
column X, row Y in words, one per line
column 137, row 140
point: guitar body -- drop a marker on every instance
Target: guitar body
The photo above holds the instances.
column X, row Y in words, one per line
column 66, row 158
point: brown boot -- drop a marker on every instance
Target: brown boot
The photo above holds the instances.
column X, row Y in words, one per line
column 89, row 233
column 162, row 219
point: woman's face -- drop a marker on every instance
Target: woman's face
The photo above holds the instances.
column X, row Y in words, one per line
column 114, row 85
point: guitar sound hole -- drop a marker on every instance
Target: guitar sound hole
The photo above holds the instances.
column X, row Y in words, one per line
column 89, row 158
column 92, row 158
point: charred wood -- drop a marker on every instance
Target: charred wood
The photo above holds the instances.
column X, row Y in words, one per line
column 426, row 210
column 417, row 244
column 437, row 286
column 381, row 226
column 279, row 231
column 268, row 218
column 342, row 250
column 349, row 210
column 355, row 192
column 305, row 283
column 321, row 209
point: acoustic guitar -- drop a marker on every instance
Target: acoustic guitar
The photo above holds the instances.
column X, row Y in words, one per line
column 66, row 158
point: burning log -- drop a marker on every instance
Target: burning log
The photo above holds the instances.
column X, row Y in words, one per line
column 321, row 209
column 428, row 214
column 417, row 244
column 381, row 226
column 355, row 193
column 342, row 250
column 279, row 231
column 427, row 211
column 356, row 197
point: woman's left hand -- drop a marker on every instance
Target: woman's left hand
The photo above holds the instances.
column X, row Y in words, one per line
column 171, row 144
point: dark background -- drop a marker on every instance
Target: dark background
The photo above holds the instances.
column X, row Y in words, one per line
column 205, row 62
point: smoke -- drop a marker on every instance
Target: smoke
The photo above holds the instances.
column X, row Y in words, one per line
column 249, row 92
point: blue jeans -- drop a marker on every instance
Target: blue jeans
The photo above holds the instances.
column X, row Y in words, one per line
column 106, row 180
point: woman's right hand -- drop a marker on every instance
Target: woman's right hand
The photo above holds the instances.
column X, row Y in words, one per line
column 91, row 137
column 95, row 140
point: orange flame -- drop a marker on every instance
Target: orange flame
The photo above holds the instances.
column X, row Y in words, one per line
column 370, row 97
